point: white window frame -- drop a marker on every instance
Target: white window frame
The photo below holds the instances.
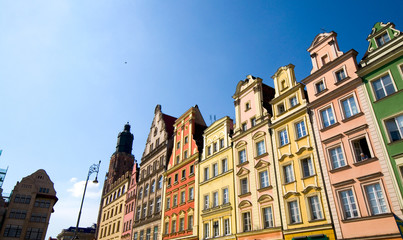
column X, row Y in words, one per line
column 342, row 110
column 342, row 68
column 239, row 156
column 206, row 201
column 311, row 166
column 286, row 138
column 260, row 142
column 296, row 101
column 297, row 129
column 400, row 114
column 324, row 85
column 367, row 200
column 330, row 156
column 365, row 136
column 291, row 211
column 248, row 219
column 349, row 202
column 286, row 173
column 312, row 208
column 377, row 77
column 322, row 123
column 225, row 195
column 266, row 179
column 381, row 35
column 270, row 217
column 216, row 199
column 247, row 185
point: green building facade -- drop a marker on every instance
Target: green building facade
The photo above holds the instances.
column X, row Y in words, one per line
column 381, row 70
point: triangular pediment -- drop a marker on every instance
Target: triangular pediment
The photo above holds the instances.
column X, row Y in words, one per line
column 262, row 164
column 244, row 204
column 243, row 171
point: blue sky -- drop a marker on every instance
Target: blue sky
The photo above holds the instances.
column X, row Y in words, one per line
column 72, row 73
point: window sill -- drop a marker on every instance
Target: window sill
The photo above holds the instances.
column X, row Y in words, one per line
column 362, row 162
column 183, row 179
column 191, row 200
column 395, row 142
column 340, row 169
column 285, row 144
column 313, row 175
column 245, row 194
column 321, row 92
column 176, row 183
column 182, row 204
column 265, row 188
column 316, row 220
column 300, row 138
column 289, row 182
column 357, row 219
column 261, row 155
column 341, row 81
column 329, row 127
column 243, row 164
column 191, row 175
column 353, row 117
column 292, row 107
column 298, row 223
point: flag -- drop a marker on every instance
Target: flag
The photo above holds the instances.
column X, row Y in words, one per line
column 399, row 223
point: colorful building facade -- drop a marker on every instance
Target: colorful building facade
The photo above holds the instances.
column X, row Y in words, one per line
column 382, row 73
column 303, row 201
column 215, row 181
column 179, row 218
column 130, row 204
column 355, row 169
column 258, row 212
column 147, row 222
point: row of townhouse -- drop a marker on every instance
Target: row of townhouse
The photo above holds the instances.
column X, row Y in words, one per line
column 317, row 159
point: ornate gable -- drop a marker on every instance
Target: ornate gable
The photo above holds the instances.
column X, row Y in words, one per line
column 381, row 34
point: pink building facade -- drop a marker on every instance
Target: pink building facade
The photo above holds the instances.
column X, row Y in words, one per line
column 358, row 182
column 130, row 204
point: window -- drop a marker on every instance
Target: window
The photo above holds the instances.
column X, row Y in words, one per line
column 181, row 224
column 169, row 181
column 155, row 236
column 327, row 117
column 395, row 128
column 166, row 227
column 383, row 87
column 206, row 202
column 20, row 214
column 376, row 200
column 247, row 106
column 191, row 193
column 246, row 221
column 361, row 149
column 144, row 210
column 206, row 230
column 141, row 234
column 35, row 217
column 190, row 222
column 225, row 197
column 294, row 212
column 208, row 150
column 288, row 174
column 141, row 193
column 177, row 159
column 206, row 174
column 34, row 233
column 215, row 147
column 153, row 186
column 139, row 212
column 191, row 170
column 314, row 206
column 221, row 143
column 215, row 199
column 260, row 148
column 148, row 234
column 12, row 231
column 348, row 204
column 264, row 179
column 135, row 236
column 244, row 185
column 168, row 203
column 157, row 142
column 307, row 167
column 253, row 122
column 183, row 197
column 215, row 169
column 216, row 229
column 173, row 227
column 283, row 85
column 160, row 182
column 324, row 59
column 381, row 40
column 349, row 107
column 186, row 139
column 320, row 86
column 226, row 227
column 185, row 154
column 183, row 173
column 158, row 205
column 336, row 157
column 176, row 178
column 244, row 127
column 224, row 165
column 293, row 101
column 150, row 208
column 146, row 190
column 340, row 75
column 280, row 108
column 283, row 137
column 301, row 130
column 175, row 201
column 242, row 156
column 268, row 217
column 178, row 145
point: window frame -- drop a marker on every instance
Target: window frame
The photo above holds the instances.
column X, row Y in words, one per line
column 270, row 217
column 267, row 179
column 290, row 211
column 279, row 135
column 291, row 102
column 297, row 129
column 284, row 166
column 357, row 105
column 310, row 209
column 311, row 167
column 378, row 77
column 367, row 200
column 339, row 145
column 385, row 126
column 322, row 80
column 322, row 122
column 340, row 69
column 239, row 155
column 339, row 197
column 386, row 32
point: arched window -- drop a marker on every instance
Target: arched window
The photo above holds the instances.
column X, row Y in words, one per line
column 146, row 190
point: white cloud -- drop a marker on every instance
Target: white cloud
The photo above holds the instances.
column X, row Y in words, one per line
column 93, row 190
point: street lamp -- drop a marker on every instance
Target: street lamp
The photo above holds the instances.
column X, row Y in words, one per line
column 93, row 169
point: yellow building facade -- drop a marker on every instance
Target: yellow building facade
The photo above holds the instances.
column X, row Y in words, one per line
column 112, row 211
column 303, row 202
column 215, row 178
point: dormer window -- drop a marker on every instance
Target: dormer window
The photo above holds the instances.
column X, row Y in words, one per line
column 283, row 85
column 381, row 40
column 280, row 108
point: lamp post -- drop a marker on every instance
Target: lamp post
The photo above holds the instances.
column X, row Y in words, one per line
column 93, row 169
